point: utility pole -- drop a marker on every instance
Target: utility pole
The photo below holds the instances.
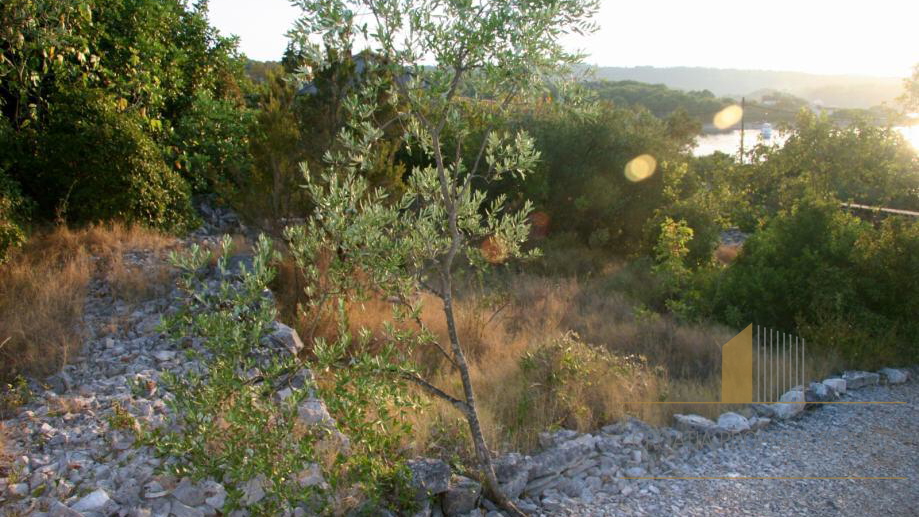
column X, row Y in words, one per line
column 743, row 109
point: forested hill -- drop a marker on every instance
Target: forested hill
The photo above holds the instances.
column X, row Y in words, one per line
column 845, row 91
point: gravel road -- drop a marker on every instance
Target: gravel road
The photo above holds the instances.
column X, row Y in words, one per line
column 835, row 440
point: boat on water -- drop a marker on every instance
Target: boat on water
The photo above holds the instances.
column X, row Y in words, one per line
column 766, row 131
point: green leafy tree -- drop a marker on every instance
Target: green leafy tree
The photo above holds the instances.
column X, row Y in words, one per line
column 500, row 50
column 276, row 143
column 858, row 163
column 159, row 65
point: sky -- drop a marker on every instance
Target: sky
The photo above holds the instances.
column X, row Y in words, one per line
column 866, row 37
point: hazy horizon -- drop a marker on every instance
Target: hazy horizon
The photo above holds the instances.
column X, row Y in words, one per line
column 823, row 38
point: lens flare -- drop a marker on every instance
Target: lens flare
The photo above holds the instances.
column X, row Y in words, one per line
column 640, row 168
column 728, row 116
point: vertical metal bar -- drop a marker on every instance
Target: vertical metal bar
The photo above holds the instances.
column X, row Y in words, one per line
column 759, row 366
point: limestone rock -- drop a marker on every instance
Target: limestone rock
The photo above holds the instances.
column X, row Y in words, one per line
column 461, row 496
column 857, row 379
column 547, row 440
column 216, row 494
column 838, row 385
column 792, row 407
column 732, row 423
column 429, row 476
column 189, row 494
column 757, row 423
column 512, row 471
column 92, row 502
column 563, row 456
column 819, row 392
column 179, row 509
column 694, row 423
column 894, row 375
column 283, row 340
column 254, row 491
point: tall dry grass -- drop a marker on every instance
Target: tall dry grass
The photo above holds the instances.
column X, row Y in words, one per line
column 544, row 352
column 43, row 288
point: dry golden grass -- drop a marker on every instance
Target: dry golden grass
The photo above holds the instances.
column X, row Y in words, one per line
column 134, row 283
column 43, row 289
column 549, row 352
column 530, row 372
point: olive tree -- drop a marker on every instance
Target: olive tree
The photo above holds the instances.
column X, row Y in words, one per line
column 444, row 71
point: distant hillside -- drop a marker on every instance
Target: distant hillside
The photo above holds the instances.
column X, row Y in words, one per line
column 844, row 91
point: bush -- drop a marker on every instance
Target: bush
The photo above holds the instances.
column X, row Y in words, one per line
column 848, row 288
column 98, row 163
column 212, row 139
column 580, row 181
column 11, row 207
column 233, row 429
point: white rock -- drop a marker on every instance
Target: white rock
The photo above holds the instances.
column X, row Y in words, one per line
column 92, row 502
column 757, row 423
column 838, row 385
column 182, row 510
column 733, row 423
column 857, row 379
column 311, row 476
column 254, row 492
column 694, row 423
column 795, row 405
column 164, row 355
column 894, row 375
column 635, row 472
column 217, row 495
column 19, row 490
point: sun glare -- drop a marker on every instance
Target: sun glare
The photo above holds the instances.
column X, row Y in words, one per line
column 640, row 168
column 728, row 116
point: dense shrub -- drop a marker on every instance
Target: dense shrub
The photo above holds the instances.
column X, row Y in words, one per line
column 845, row 285
column 235, row 430
column 115, row 95
column 580, row 181
column 97, row 162
column 211, row 140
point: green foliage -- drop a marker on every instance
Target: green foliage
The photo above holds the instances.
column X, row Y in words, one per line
column 212, row 142
column 277, row 149
column 858, row 163
column 147, row 67
column 670, row 253
column 230, row 422
column 496, row 51
column 580, row 181
column 123, row 177
column 848, row 287
column 15, row 393
column 12, row 207
column 659, row 99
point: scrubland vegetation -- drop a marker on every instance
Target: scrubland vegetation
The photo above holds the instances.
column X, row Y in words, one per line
column 451, row 241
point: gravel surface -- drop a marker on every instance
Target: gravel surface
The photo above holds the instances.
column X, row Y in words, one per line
column 835, row 440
